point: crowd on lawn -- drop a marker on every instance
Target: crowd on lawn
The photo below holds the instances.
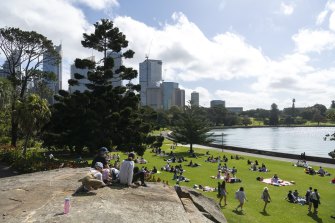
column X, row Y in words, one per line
column 103, row 173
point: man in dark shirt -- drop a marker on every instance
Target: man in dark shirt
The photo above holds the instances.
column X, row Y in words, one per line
column 101, row 157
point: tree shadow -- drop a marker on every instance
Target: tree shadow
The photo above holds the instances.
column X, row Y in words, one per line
column 315, row 217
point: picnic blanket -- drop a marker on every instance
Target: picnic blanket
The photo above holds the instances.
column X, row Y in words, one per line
column 281, row 182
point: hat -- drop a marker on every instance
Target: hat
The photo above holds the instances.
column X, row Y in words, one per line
column 265, row 188
column 99, row 164
column 103, row 150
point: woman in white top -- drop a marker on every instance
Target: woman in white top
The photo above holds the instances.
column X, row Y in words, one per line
column 240, row 196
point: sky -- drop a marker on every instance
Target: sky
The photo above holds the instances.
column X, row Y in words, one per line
column 249, row 53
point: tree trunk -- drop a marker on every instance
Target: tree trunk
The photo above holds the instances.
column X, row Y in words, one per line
column 25, row 145
column 15, row 126
column 191, row 147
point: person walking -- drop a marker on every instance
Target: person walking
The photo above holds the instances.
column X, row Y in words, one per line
column 308, row 198
column 265, row 197
column 315, row 198
column 222, row 193
column 241, row 197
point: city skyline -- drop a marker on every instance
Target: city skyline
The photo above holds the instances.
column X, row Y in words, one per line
column 248, row 53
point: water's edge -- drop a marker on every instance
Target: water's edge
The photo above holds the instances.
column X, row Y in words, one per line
column 271, row 153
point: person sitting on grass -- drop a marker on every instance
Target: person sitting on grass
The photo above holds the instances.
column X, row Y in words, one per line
column 275, row 180
column 233, row 171
column 310, row 171
column 321, row 171
column 291, row 198
column 129, row 174
column 218, row 176
column 333, row 181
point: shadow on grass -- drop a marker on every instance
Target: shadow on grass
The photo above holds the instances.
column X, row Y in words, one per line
column 83, row 194
column 238, row 212
column 264, row 213
column 315, row 217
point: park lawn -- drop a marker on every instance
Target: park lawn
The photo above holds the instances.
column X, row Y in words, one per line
column 279, row 210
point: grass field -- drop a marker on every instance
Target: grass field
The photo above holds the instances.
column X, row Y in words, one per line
column 279, row 210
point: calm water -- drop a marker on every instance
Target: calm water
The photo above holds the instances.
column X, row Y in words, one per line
column 287, row 140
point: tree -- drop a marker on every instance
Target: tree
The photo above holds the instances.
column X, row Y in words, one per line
column 25, row 52
column 191, row 128
column 34, row 114
column 289, row 120
column 317, row 117
column 321, row 108
column 333, row 104
column 274, row 115
column 217, row 114
column 5, row 101
column 5, row 93
column 331, row 114
column 103, row 115
column 246, row 121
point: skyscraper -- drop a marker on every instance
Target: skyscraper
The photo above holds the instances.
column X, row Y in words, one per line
column 55, row 67
column 81, row 87
column 150, row 77
column 218, row 103
column 195, row 98
column 116, row 80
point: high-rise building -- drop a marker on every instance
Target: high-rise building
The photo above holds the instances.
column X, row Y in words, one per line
column 172, row 95
column 8, row 65
column 195, row 98
column 150, row 77
column 218, row 102
column 81, row 86
column 116, row 80
column 236, row 110
column 54, row 66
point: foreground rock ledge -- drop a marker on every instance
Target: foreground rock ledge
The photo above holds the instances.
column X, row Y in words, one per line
column 39, row 197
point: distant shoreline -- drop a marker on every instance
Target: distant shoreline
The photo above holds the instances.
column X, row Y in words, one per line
column 271, row 126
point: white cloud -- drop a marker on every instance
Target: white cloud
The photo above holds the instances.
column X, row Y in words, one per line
column 321, row 17
column 286, row 9
column 97, row 4
column 56, row 19
column 314, row 40
column 204, row 95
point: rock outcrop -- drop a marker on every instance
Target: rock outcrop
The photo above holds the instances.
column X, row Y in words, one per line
column 39, row 197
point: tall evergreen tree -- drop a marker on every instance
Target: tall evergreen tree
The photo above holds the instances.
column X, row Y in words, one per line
column 191, row 128
column 103, row 115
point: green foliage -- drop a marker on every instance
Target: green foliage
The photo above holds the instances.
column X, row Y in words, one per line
column 191, row 128
column 331, row 114
column 217, row 114
column 34, row 113
column 246, row 121
column 25, row 52
column 274, row 115
column 104, row 115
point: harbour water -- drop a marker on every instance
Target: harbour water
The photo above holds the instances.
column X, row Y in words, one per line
column 293, row 140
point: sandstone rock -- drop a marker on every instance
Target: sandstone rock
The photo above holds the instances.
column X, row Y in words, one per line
column 39, row 197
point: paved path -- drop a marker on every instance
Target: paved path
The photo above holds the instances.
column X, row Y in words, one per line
column 329, row 165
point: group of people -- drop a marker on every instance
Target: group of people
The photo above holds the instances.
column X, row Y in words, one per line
column 312, row 197
column 102, row 174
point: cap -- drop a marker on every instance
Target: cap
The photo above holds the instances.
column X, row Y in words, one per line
column 99, row 164
column 103, row 150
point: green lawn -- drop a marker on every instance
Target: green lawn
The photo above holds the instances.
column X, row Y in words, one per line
column 279, row 210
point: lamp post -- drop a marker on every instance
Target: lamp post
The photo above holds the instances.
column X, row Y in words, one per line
column 222, row 141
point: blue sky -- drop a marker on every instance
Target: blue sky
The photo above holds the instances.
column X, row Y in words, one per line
column 250, row 53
